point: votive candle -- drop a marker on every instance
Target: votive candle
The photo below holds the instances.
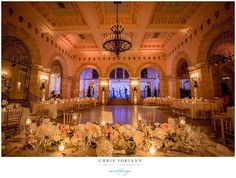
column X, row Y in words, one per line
column 61, row 148
column 152, row 151
column 28, row 121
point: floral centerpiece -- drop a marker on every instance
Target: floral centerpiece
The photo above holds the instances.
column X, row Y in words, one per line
column 125, row 139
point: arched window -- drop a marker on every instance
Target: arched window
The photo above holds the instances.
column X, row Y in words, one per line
column 119, row 73
column 149, row 83
column 221, row 59
column 119, row 83
column 55, row 79
column 183, row 76
column 16, row 65
column 89, row 83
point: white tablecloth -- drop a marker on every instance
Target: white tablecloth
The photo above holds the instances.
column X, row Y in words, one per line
column 51, row 107
column 54, row 107
column 194, row 107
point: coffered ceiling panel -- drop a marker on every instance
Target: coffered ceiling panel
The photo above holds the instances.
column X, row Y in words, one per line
column 174, row 12
column 80, row 41
column 60, row 14
column 106, row 12
column 84, row 25
column 156, row 39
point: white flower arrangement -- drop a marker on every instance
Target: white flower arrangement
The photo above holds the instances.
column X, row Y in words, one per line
column 104, row 148
column 127, row 137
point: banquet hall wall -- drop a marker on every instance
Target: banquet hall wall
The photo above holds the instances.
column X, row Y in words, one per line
column 46, row 48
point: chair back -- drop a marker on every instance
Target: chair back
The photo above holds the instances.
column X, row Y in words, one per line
column 148, row 117
column 13, row 118
column 72, row 118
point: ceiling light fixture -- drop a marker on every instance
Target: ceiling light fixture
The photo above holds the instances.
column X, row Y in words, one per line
column 117, row 42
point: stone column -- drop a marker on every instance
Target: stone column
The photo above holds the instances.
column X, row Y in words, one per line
column 163, row 86
column 34, row 87
column 75, row 84
column 173, row 86
column 39, row 74
column 103, row 90
column 207, row 83
column 134, row 87
column 201, row 73
column 63, row 86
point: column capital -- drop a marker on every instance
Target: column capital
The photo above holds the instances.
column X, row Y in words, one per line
column 197, row 66
column 40, row 68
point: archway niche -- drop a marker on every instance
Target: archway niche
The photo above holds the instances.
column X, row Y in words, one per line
column 221, row 59
column 89, row 83
column 55, row 86
column 16, row 67
column 149, row 83
column 183, row 79
column 119, row 86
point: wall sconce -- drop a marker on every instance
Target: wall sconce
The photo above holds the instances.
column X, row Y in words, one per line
column 194, row 76
column 134, row 83
column 4, row 74
column 44, row 78
column 18, row 85
column 104, row 83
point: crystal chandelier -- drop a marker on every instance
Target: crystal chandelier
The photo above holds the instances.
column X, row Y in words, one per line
column 117, row 42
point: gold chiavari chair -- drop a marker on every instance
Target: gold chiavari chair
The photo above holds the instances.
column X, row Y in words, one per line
column 72, row 118
column 221, row 120
column 148, row 118
column 43, row 114
column 12, row 120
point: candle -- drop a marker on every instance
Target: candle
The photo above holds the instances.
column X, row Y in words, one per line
column 139, row 117
column 103, row 123
column 28, row 121
column 61, row 148
column 18, row 85
column 152, row 151
column 182, row 121
column 74, row 116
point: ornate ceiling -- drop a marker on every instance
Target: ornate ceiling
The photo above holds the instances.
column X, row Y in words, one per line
column 83, row 25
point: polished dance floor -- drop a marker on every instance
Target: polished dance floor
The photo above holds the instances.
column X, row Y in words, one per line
column 127, row 114
column 123, row 114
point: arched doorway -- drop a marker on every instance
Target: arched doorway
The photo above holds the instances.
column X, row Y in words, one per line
column 16, row 67
column 119, row 84
column 221, row 59
column 183, row 78
column 55, row 79
column 89, row 83
column 149, row 83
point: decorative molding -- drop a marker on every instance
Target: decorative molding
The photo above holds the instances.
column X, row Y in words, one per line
column 20, row 33
column 178, row 57
column 119, row 64
column 207, row 39
column 88, row 65
column 59, row 58
column 151, row 65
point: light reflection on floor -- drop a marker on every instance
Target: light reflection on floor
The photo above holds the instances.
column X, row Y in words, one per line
column 123, row 114
column 128, row 115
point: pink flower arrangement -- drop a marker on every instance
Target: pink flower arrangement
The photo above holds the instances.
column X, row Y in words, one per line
column 165, row 126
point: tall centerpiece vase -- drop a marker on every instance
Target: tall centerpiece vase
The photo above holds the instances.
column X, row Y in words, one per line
column 43, row 95
column 195, row 94
column 195, row 85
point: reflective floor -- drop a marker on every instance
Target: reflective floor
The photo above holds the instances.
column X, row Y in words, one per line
column 123, row 114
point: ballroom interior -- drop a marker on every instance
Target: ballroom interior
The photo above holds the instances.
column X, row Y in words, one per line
column 142, row 78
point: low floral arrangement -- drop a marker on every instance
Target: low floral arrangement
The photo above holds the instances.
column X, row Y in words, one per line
column 125, row 139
